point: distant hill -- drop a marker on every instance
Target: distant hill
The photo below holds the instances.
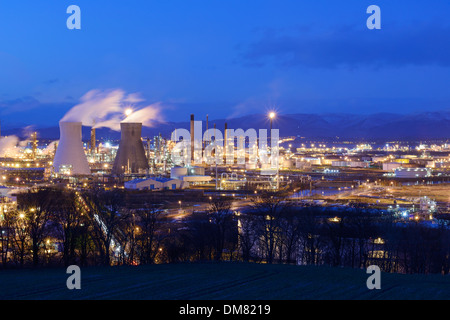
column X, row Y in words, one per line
column 382, row 126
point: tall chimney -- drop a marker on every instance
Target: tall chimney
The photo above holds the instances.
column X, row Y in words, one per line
column 93, row 140
column 34, row 145
column 207, row 137
column 130, row 156
column 70, row 150
column 192, row 138
column 225, row 133
column 225, row 144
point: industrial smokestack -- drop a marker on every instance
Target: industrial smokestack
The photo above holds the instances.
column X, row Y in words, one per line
column 225, row 142
column 192, row 138
column 93, row 140
column 130, row 157
column 70, row 153
column 225, row 133
column 207, row 137
column 34, row 145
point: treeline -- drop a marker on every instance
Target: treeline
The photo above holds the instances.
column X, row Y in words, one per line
column 54, row 227
column 63, row 227
column 274, row 231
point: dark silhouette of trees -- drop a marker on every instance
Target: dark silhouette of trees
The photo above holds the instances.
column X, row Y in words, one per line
column 36, row 204
column 223, row 227
column 71, row 224
column 268, row 209
column 108, row 216
column 147, row 223
column 247, row 237
column 309, row 236
column 210, row 235
column 99, row 227
column 7, row 234
column 290, row 225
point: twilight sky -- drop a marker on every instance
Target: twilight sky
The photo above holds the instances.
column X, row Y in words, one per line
column 224, row 58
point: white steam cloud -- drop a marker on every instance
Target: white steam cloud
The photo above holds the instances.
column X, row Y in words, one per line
column 107, row 109
column 8, row 146
column 50, row 148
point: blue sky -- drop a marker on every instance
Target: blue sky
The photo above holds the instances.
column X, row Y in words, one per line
column 224, row 58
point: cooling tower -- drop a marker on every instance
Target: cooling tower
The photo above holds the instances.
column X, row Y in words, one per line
column 70, row 151
column 130, row 157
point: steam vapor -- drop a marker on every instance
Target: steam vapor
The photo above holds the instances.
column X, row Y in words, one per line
column 106, row 109
column 8, row 146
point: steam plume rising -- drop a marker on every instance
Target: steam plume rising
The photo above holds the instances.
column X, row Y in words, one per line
column 8, row 146
column 146, row 115
column 107, row 109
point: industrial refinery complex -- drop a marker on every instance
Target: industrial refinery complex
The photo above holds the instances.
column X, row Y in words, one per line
column 138, row 163
column 240, row 150
column 100, row 201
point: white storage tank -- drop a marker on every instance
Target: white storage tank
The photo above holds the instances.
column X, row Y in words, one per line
column 178, row 172
column 412, row 173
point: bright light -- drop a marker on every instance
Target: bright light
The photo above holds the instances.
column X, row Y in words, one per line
column 128, row 112
column 272, row 115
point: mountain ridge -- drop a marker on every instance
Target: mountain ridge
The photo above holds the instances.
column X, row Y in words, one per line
column 414, row 126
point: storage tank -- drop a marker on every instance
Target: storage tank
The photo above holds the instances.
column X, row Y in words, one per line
column 178, row 172
column 130, row 156
column 70, row 157
column 409, row 173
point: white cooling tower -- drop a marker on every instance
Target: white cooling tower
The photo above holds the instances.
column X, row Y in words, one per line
column 70, row 153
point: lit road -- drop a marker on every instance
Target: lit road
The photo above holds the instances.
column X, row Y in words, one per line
column 188, row 209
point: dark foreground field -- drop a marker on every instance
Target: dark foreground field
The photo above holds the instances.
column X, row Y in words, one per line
column 232, row 281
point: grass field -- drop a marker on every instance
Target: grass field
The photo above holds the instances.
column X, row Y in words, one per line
column 228, row 281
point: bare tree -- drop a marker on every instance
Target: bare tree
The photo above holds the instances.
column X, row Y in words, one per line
column 146, row 224
column 268, row 209
column 36, row 204
column 106, row 209
column 290, row 226
column 247, row 236
column 69, row 217
column 20, row 237
column 6, row 235
column 224, row 226
column 310, row 235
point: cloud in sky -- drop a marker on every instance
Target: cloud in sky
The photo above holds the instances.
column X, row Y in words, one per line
column 51, row 81
column 352, row 47
column 18, row 105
